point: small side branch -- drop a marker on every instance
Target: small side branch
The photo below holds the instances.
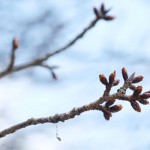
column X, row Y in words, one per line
column 51, row 69
column 15, row 45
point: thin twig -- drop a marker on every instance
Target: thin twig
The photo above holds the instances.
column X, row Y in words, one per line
column 48, row 55
column 100, row 15
column 51, row 69
column 15, row 45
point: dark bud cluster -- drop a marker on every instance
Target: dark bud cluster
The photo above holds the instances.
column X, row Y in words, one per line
column 135, row 99
column 109, row 83
column 102, row 13
column 109, row 108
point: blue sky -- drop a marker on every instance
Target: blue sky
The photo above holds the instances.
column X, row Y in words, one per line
column 107, row 47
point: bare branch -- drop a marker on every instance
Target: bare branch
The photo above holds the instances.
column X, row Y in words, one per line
column 108, row 108
column 100, row 14
column 52, row 119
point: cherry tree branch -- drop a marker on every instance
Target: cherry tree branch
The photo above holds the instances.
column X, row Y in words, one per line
column 105, row 104
column 100, row 15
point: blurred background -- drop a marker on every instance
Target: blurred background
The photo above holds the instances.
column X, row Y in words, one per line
column 45, row 25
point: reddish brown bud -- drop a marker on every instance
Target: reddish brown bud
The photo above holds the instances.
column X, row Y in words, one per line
column 124, row 74
column 137, row 79
column 96, row 12
column 112, row 77
column 135, row 106
column 103, row 79
column 103, row 8
column 145, row 95
column 137, row 91
column 109, row 18
column 144, row 101
column 107, row 115
column 116, row 82
column 109, row 102
column 115, row 108
column 15, row 43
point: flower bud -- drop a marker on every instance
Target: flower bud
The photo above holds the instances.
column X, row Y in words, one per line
column 137, row 91
column 15, row 43
column 135, row 106
column 145, row 95
column 103, row 79
column 112, row 77
column 109, row 18
column 144, row 101
column 96, row 12
column 107, row 115
column 137, row 79
column 103, row 9
column 124, row 74
column 115, row 108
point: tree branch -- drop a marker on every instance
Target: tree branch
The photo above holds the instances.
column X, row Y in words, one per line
column 107, row 108
column 52, row 119
column 100, row 15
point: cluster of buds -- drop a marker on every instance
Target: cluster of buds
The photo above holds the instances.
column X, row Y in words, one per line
column 102, row 13
column 109, row 84
column 136, row 96
column 108, row 108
